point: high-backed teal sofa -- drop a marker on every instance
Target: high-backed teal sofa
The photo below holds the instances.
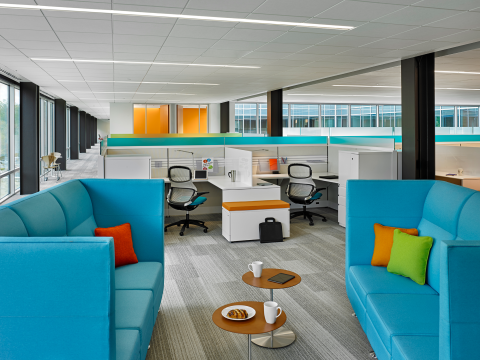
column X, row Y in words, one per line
column 404, row 320
column 60, row 294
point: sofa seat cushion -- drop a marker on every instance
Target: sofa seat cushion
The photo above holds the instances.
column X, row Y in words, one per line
column 142, row 276
column 367, row 279
column 128, row 344
column 134, row 311
column 415, row 348
column 403, row 314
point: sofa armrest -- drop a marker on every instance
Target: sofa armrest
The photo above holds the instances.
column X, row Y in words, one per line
column 57, row 298
column 459, row 299
column 387, row 202
column 138, row 202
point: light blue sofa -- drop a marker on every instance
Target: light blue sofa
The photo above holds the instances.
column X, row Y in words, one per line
column 60, row 294
column 404, row 320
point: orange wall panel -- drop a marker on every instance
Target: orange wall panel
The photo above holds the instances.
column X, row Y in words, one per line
column 153, row 121
column 139, row 120
column 203, row 121
column 190, row 120
column 164, row 119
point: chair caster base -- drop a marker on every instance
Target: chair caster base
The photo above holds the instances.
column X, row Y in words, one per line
column 205, row 230
column 181, row 233
column 311, row 224
column 324, row 220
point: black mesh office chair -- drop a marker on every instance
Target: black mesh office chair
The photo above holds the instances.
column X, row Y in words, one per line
column 301, row 190
column 183, row 195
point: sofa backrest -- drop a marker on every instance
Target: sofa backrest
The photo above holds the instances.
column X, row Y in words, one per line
column 469, row 222
column 441, row 213
column 65, row 210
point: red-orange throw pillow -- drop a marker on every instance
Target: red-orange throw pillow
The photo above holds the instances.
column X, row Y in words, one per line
column 122, row 237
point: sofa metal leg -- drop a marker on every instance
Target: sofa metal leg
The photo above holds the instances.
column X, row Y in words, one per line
column 372, row 355
column 148, row 347
column 354, row 315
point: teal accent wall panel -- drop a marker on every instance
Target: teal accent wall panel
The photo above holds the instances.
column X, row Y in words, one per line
column 456, row 138
column 373, row 141
column 286, row 140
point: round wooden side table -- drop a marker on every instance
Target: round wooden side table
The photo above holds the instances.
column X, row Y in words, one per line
column 280, row 337
column 255, row 325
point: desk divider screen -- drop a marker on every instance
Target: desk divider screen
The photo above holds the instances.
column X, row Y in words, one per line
column 241, row 161
column 450, row 158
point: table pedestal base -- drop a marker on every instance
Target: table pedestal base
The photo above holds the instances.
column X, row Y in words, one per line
column 280, row 338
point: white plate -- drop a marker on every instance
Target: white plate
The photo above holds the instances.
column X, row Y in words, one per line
column 251, row 312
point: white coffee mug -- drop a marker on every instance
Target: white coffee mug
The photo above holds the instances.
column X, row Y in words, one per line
column 256, row 267
column 270, row 309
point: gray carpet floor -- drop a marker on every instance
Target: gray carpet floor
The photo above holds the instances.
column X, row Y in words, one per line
column 204, row 271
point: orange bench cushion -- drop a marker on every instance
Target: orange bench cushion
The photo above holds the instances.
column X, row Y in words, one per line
column 255, row 205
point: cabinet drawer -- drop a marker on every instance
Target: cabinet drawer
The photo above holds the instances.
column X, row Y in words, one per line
column 342, row 200
column 342, row 191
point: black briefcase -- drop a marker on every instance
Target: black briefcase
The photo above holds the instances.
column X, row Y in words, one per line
column 270, row 231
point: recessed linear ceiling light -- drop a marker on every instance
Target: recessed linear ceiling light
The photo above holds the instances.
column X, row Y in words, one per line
column 144, row 63
column 135, row 82
column 127, row 92
column 371, row 86
column 175, row 16
column 338, row 95
column 457, row 72
column 399, row 87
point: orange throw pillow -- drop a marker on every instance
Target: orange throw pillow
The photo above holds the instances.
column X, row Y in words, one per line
column 122, row 237
column 384, row 242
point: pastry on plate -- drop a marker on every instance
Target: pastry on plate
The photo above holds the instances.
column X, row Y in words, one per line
column 237, row 314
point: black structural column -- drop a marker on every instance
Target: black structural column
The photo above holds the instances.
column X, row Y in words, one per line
column 225, row 117
column 418, row 117
column 87, row 131
column 74, row 133
column 83, row 148
column 94, row 131
column 275, row 112
column 60, row 131
column 29, row 138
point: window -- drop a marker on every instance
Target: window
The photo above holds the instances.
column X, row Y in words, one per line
column 246, row 118
column 9, row 141
column 334, row 115
column 389, row 116
column 4, row 140
column 263, row 117
column 444, row 116
column 285, row 115
column 467, row 116
column 67, row 133
column 304, row 115
column 363, row 115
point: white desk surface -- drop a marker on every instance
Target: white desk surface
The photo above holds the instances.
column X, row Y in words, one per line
column 315, row 176
column 463, row 177
column 224, row 183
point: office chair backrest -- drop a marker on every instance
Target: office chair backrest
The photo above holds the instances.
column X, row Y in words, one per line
column 182, row 188
column 301, row 183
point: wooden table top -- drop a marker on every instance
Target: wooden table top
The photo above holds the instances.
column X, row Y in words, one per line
column 255, row 325
column 262, row 281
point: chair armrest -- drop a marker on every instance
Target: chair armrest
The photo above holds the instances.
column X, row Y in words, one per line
column 387, row 202
column 198, row 194
column 138, row 202
column 459, row 294
column 57, row 297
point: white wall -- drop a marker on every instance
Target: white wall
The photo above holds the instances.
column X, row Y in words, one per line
column 103, row 128
column 121, row 118
column 214, row 118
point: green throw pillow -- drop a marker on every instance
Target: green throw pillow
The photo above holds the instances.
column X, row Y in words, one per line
column 409, row 256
